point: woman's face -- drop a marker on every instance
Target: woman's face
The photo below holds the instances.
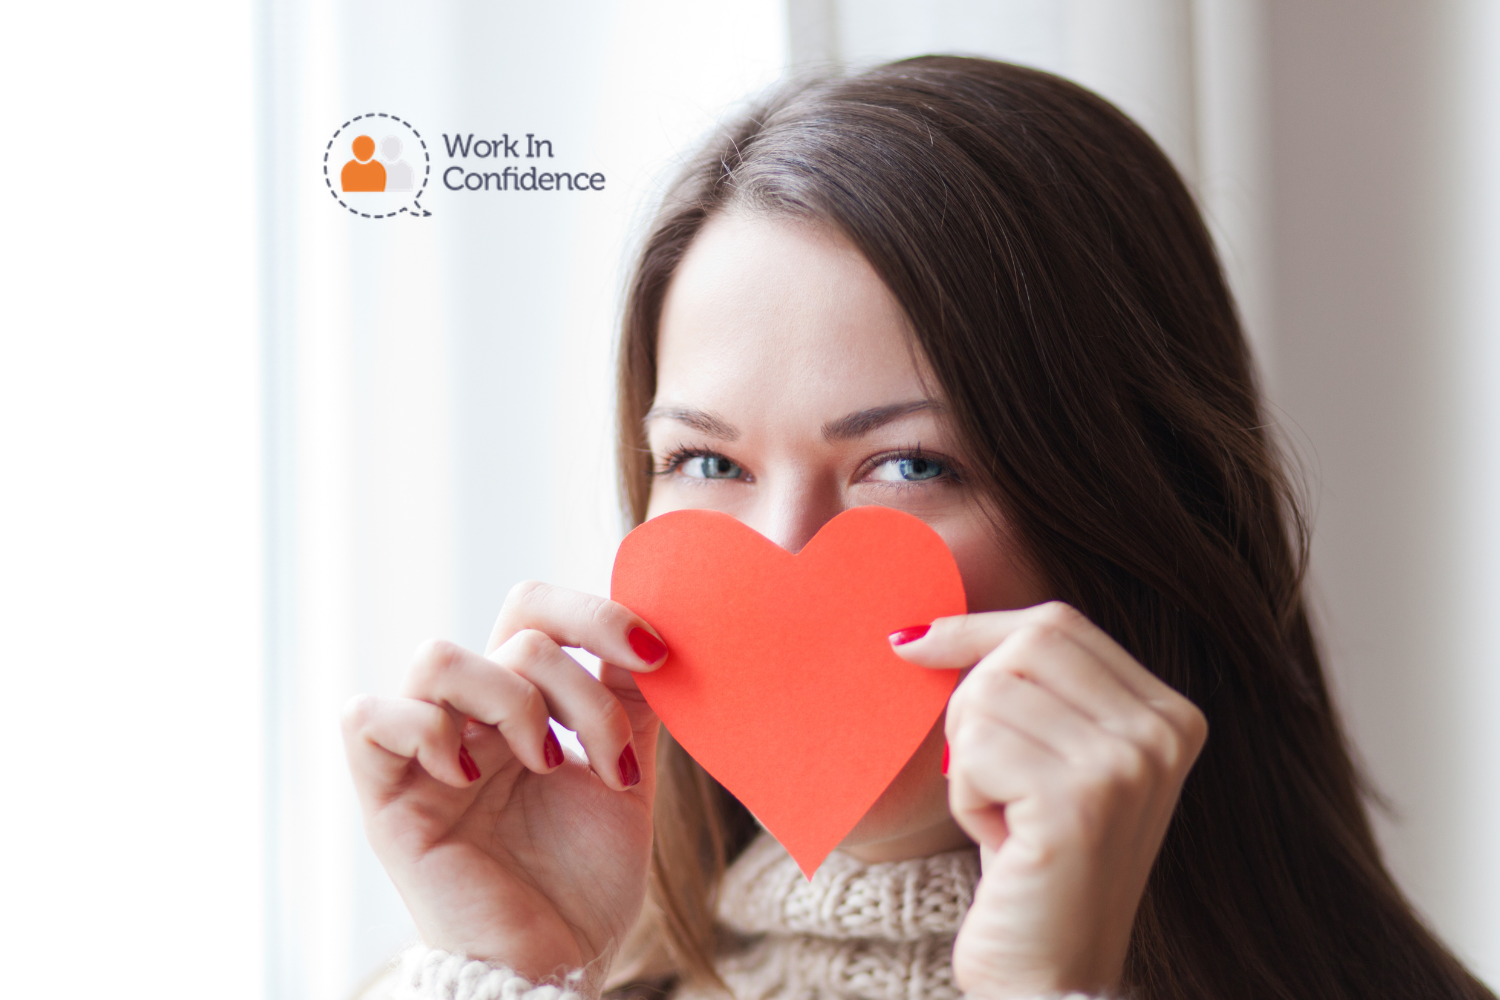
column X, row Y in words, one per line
column 790, row 389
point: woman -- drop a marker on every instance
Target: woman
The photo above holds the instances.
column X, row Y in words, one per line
column 980, row 294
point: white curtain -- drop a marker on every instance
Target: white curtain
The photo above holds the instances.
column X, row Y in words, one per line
column 1387, row 246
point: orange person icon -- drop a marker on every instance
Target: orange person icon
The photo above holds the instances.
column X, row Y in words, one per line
column 363, row 173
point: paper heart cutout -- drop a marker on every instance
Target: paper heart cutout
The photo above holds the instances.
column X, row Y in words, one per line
column 781, row 680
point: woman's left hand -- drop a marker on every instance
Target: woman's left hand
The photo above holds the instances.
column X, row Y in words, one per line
column 1066, row 759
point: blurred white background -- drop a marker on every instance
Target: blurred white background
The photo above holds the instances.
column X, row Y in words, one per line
column 256, row 449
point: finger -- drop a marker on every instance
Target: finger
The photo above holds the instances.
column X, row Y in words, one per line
column 1161, row 721
column 621, row 683
column 576, row 699
column 998, row 697
column 481, row 689
column 1056, row 661
column 383, row 735
column 962, row 640
column 989, row 767
column 1171, row 730
column 605, row 628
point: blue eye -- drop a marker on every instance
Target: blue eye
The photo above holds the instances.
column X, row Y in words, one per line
column 907, row 470
column 710, row 467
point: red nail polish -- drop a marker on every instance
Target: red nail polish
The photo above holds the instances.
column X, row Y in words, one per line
column 471, row 769
column 906, row 635
column 552, row 750
column 647, row 646
column 630, row 770
column 945, row 757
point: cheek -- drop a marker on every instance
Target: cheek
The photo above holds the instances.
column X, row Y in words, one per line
column 668, row 496
column 996, row 576
column 655, row 504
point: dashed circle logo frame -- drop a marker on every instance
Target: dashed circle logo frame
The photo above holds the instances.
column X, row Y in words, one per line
column 412, row 204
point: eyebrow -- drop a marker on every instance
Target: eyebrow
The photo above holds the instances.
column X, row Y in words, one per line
column 698, row 420
column 864, row 421
column 852, row 425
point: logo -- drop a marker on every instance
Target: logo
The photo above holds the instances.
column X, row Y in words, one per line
column 377, row 166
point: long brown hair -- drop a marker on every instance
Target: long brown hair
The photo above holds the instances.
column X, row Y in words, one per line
column 1062, row 285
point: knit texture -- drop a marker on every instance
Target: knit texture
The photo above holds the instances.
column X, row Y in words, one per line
column 432, row 974
column 855, row 932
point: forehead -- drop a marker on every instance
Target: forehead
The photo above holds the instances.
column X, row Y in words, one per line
column 776, row 315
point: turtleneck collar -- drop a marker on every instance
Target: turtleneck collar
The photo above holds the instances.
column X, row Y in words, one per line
column 857, row 931
column 765, row 893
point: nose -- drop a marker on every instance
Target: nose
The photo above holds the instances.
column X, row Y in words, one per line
column 791, row 512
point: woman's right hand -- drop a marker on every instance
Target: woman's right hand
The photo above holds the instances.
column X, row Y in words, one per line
column 538, row 863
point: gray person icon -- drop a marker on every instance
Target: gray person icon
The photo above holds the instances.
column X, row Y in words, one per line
column 398, row 173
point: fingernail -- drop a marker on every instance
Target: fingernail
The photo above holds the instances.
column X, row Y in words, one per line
column 630, row 770
column 552, row 750
column 945, row 757
column 647, row 646
column 906, row 635
column 471, row 769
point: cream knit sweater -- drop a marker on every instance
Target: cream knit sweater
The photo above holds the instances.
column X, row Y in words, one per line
column 855, row 932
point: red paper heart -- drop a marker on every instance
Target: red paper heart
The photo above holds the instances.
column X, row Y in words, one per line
column 781, row 680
